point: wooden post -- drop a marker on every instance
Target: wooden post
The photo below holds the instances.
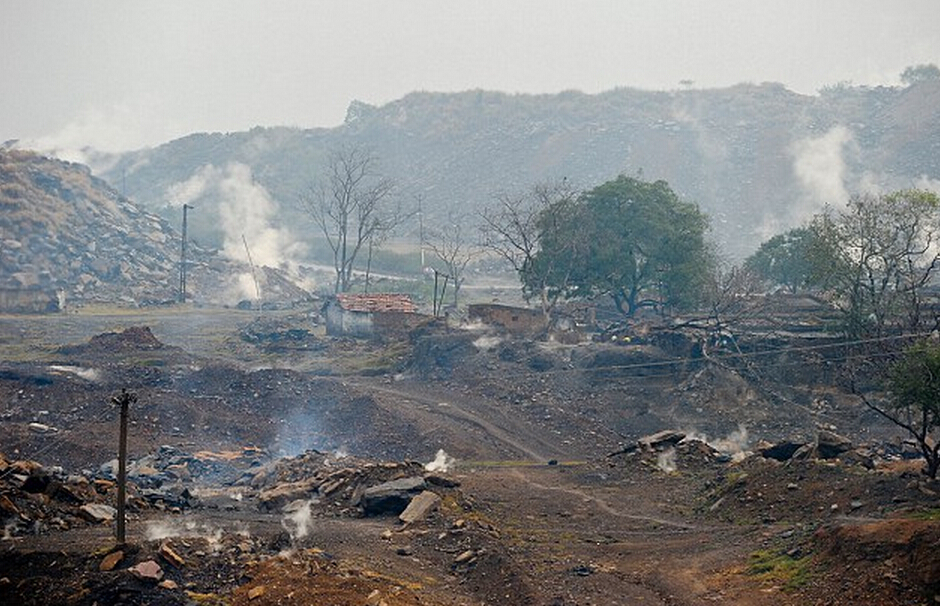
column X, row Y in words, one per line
column 123, row 401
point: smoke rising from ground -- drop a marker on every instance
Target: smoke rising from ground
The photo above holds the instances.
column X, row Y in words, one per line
column 819, row 164
column 247, row 214
column 298, row 519
column 442, row 462
column 735, row 444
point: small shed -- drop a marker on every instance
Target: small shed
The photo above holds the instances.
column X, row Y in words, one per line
column 517, row 320
column 369, row 315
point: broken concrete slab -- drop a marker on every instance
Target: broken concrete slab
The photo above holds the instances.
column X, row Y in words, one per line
column 97, row 512
column 661, row 439
column 420, row 507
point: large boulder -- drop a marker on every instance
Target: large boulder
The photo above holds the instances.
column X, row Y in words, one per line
column 391, row 498
column 830, row 445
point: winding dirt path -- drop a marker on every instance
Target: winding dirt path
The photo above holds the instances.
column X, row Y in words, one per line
column 421, row 401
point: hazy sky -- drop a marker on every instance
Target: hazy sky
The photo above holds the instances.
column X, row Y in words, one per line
column 120, row 74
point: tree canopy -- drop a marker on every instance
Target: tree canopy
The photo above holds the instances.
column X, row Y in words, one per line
column 920, row 73
column 633, row 240
column 784, row 260
column 873, row 259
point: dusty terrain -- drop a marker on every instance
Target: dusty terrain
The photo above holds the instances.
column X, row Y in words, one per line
column 254, row 442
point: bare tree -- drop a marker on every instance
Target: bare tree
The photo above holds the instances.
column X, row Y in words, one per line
column 352, row 206
column 512, row 230
column 452, row 248
column 878, row 257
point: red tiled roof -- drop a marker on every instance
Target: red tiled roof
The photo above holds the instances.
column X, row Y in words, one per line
column 376, row 302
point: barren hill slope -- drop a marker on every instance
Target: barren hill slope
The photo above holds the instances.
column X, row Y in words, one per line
column 67, row 237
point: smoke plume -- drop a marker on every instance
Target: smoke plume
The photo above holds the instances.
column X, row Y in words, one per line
column 820, row 166
column 298, row 519
column 247, row 215
column 442, row 462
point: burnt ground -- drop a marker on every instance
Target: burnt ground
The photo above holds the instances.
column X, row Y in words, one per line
column 552, row 503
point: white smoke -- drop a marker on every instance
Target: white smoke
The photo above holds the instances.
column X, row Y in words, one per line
column 926, row 183
column 666, row 460
column 190, row 190
column 131, row 123
column 89, row 374
column 820, row 166
column 734, row 444
column 160, row 530
column 442, row 462
column 247, row 215
column 487, row 343
column 298, row 518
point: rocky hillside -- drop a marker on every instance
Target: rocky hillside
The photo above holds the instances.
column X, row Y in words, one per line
column 757, row 158
column 67, row 238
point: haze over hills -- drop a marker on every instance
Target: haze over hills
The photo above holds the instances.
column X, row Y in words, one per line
column 758, row 159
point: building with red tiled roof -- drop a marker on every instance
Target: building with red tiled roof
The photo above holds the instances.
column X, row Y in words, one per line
column 370, row 315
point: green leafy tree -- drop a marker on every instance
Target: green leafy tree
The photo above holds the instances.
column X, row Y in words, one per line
column 920, row 73
column 785, row 259
column 632, row 240
column 914, row 399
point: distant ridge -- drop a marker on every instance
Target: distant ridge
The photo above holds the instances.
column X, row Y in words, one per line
column 758, row 159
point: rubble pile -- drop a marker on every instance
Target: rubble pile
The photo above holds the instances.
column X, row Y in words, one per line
column 36, row 499
column 343, row 485
column 281, row 334
column 200, row 558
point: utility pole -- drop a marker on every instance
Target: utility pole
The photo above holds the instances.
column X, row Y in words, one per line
column 186, row 207
column 421, row 230
column 124, row 400
column 254, row 276
column 438, row 302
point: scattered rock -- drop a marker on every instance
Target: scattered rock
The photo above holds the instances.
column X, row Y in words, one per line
column 442, row 481
column 830, row 445
column 147, row 571
column 111, row 560
column 464, row 557
column 168, row 554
